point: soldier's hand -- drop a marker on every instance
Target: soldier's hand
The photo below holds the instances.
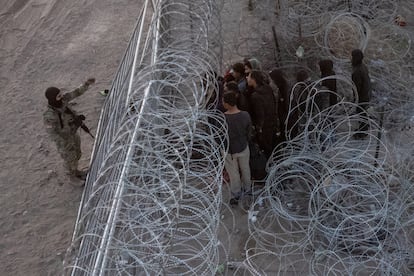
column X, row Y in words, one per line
column 90, row 81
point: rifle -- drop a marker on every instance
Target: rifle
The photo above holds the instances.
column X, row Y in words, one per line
column 79, row 121
column 86, row 129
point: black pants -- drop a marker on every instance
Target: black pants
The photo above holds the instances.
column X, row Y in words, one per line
column 363, row 114
column 267, row 140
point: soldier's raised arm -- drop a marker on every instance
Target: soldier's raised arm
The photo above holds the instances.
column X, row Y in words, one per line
column 78, row 91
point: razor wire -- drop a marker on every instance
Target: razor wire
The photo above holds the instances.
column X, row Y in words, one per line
column 279, row 32
column 332, row 205
column 154, row 190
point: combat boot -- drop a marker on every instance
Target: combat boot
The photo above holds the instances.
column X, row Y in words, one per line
column 80, row 174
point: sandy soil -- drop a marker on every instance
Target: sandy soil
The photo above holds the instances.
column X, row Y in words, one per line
column 54, row 43
column 49, row 43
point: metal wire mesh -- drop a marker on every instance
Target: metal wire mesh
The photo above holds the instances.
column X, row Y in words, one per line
column 153, row 191
column 332, row 205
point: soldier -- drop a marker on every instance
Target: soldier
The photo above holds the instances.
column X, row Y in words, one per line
column 62, row 123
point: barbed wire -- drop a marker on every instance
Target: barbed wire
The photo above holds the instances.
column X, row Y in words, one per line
column 332, row 205
column 153, row 207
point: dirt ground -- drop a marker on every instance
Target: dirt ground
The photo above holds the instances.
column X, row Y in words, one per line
column 49, row 43
column 56, row 43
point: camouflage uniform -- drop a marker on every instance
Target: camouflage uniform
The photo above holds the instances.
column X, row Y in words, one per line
column 63, row 130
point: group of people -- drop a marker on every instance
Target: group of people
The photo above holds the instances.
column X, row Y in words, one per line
column 258, row 110
column 255, row 105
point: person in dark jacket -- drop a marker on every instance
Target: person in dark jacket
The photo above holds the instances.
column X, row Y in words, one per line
column 282, row 84
column 264, row 112
column 362, row 81
column 326, row 67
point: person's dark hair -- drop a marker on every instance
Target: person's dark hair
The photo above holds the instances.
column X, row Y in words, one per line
column 239, row 68
column 257, row 76
column 301, row 76
column 247, row 63
column 357, row 57
column 228, row 78
column 232, row 86
column 279, row 79
column 230, row 98
column 326, row 67
column 51, row 94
